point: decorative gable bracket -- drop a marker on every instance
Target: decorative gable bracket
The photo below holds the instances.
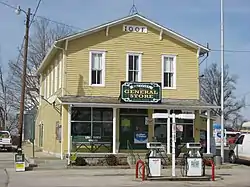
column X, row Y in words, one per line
column 107, row 30
column 161, row 33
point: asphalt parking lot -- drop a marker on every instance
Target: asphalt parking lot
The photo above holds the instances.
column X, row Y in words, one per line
column 238, row 175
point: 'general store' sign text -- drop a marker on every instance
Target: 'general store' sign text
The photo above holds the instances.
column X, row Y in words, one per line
column 134, row 28
column 145, row 92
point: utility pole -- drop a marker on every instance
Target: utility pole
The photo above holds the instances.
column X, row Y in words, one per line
column 222, row 77
column 23, row 91
column 5, row 107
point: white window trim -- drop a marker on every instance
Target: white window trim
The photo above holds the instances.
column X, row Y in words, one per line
column 48, row 83
column 162, row 72
column 52, row 80
column 60, row 74
column 103, row 52
column 45, row 86
column 56, row 76
column 140, row 65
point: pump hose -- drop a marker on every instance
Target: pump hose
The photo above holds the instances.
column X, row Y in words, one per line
column 146, row 168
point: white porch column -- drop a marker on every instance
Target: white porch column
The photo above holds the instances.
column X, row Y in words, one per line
column 114, row 130
column 168, row 133
column 208, row 132
column 69, row 132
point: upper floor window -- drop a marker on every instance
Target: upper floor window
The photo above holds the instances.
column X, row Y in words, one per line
column 133, row 64
column 168, row 71
column 97, row 68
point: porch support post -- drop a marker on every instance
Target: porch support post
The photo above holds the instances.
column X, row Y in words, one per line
column 69, row 133
column 168, row 133
column 114, row 130
column 208, row 132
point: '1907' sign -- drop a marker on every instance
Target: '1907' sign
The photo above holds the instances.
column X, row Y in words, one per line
column 144, row 92
column 134, row 28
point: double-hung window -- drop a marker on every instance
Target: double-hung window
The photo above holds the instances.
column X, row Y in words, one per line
column 97, row 68
column 169, row 71
column 133, row 67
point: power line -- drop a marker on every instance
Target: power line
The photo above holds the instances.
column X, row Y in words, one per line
column 59, row 23
column 42, row 17
column 231, row 51
column 8, row 5
column 33, row 16
column 78, row 28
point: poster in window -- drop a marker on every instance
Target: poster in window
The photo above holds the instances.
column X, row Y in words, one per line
column 140, row 137
column 125, row 125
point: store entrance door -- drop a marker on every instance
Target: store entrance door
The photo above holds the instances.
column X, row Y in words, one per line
column 133, row 132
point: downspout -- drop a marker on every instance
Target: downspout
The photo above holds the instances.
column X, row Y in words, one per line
column 62, row 93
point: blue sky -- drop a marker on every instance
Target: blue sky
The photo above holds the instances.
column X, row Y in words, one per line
column 196, row 19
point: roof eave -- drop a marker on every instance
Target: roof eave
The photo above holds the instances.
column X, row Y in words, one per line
column 48, row 55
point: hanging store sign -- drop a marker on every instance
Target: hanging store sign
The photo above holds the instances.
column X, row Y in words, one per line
column 141, row 92
column 134, row 28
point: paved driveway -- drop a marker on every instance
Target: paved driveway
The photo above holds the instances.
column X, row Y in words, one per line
column 238, row 176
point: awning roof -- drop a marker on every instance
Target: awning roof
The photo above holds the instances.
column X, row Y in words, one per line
column 114, row 102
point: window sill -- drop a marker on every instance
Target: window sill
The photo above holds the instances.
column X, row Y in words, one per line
column 97, row 85
column 169, row 88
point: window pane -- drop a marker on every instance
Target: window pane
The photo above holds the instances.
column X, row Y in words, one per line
column 108, row 115
column 81, row 114
column 93, row 76
column 187, row 134
column 108, row 129
column 80, row 128
column 96, row 61
column 97, row 114
column 136, row 76
column 130, row 76
column 136, row 62
column 99, row 77
column 160, row 132
column 97, row 129
column 168, row 80
column 168, row 64
column 131, row 62
column 160, row 121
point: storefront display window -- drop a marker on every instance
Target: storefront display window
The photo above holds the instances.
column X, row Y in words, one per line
column 185, row 130
column 92, row 123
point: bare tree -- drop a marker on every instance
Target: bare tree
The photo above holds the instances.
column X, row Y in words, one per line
column 43, row 35
column 8, row 118
column 211, row 91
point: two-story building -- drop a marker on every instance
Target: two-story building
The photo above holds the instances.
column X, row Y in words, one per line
column 100, row 87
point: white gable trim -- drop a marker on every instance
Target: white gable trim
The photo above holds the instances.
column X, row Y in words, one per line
column 106, row 27
column 140, row 18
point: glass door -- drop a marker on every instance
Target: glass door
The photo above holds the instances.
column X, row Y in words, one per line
column 133, row 131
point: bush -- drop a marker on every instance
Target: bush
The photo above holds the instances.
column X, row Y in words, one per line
column 80, row 161
column 111, row 160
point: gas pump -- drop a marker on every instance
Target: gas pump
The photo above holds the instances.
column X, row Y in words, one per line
column 154, row 158
column 193, row 161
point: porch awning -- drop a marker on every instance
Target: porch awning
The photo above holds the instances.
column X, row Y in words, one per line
column 114, row 102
